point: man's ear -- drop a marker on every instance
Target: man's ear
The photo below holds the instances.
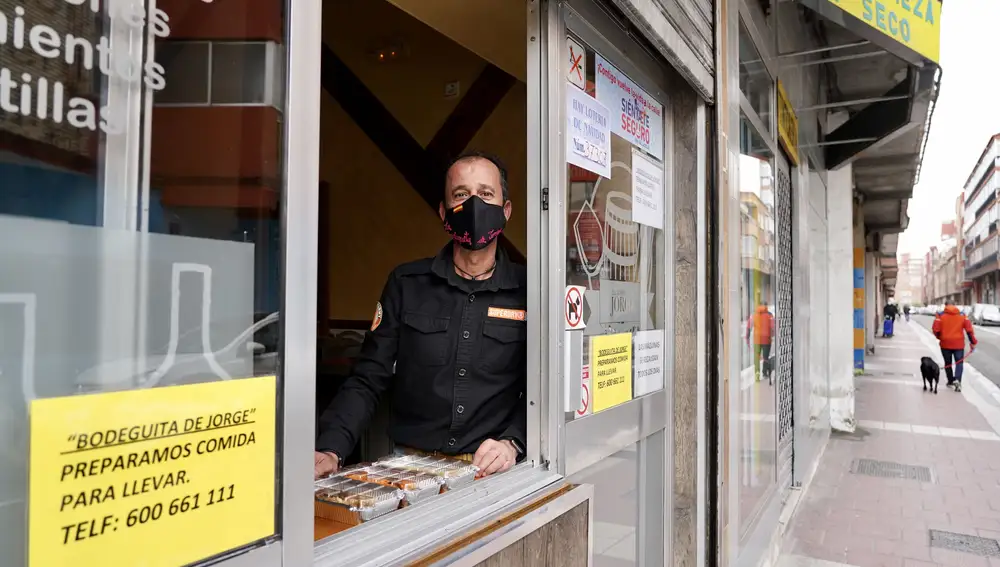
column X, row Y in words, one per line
column 441, row 210
column 507, row 208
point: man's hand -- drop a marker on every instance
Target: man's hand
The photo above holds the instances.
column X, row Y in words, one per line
column 494, row 457
column 326, row 464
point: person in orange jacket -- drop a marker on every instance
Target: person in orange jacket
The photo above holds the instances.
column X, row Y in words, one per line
column 950, row 327
column 760, row 328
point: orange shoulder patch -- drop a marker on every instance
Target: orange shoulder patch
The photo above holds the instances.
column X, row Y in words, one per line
column 377, row 320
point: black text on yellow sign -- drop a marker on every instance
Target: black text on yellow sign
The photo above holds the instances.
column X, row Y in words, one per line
column 913, row 23
column 155, row 478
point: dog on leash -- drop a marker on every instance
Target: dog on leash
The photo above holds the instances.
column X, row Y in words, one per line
column 767, row 369
column 931, row 373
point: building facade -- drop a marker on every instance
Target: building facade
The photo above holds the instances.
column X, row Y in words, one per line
column 804, row 92
column 909, row 288
column 980, row 225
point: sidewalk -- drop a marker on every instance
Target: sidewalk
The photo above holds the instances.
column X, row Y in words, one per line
column 934, row 467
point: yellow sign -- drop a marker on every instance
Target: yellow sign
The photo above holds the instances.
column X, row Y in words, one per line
column 158, row 477
column 913, row 23
column 611, row 365
column 788, row 125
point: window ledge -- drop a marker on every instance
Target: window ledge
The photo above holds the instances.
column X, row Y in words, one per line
column 407, row 534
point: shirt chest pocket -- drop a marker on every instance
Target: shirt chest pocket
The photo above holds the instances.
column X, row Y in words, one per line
column 424, row 339
column 502, row 347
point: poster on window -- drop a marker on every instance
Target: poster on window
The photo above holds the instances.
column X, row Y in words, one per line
column 588, row 138
column 635, row 116
column 647, row 191
column 647, row 353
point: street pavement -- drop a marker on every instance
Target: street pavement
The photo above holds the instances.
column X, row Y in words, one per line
column 905, row 516
column 987, row 356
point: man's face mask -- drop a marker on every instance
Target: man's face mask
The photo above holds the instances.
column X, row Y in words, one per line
column 474, row 223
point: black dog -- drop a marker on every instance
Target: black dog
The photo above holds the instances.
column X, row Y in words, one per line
column 768, row 369
column 931, row 373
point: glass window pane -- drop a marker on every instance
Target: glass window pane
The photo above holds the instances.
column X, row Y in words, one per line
column 616, row 507
column 239, row 73
column 757, row 316
column 615, row 243
column 110, row 284
column 186, row 72
column 755, row 82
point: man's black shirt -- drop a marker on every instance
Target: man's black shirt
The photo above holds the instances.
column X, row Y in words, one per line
column 460, row 363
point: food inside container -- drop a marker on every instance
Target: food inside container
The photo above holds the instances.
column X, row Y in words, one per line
column 453, row 473
column 415, row 485
column 352, row 502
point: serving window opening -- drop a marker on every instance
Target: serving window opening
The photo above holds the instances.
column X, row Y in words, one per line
column 402, row 99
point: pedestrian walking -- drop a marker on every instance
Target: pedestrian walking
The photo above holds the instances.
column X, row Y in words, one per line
column 906, row 312
column 760, row 329
column 888, row 325
column 950, row 327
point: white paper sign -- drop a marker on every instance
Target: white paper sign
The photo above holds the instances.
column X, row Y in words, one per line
column 647, row 190
column 636, row 116
column 647, row 359
column 588, row 138
column 577, row 56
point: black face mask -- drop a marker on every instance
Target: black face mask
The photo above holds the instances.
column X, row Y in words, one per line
column 474, row 223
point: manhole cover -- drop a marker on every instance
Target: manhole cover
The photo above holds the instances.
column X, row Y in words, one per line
column 888, row 469
column 975, row 545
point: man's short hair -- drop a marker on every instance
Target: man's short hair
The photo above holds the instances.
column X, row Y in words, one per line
column 477, row 154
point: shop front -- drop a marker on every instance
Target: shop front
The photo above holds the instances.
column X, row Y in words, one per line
column 823, row 108
column 200, row 204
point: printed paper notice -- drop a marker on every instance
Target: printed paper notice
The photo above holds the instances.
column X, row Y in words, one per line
column 648, row 362
column 157, row 477
column 636, row 116
column 611, row 364
column 588, row 140
column 647, row 190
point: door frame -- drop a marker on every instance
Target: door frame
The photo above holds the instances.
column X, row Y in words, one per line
column 572, row 445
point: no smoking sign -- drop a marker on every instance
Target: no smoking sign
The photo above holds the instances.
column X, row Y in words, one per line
column 573, row 307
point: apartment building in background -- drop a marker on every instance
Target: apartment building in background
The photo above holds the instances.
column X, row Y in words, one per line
column 909, row 287
column 941, row 268
column 979, row 226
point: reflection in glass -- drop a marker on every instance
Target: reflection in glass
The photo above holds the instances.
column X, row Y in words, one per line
column 139, row 243
column 239, row 73
column 186, row 66
column 757, row 312
column 617, row 260
column 755, row 82
column 616, row 506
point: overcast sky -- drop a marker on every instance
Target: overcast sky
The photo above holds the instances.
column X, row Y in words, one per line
column 967, row 114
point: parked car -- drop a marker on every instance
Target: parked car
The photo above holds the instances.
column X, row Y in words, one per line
column 252, row 351
column 990, row 315
column 977, row 311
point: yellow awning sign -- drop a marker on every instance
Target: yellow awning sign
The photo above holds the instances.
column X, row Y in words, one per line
column 913, row 23
column 158, row 477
